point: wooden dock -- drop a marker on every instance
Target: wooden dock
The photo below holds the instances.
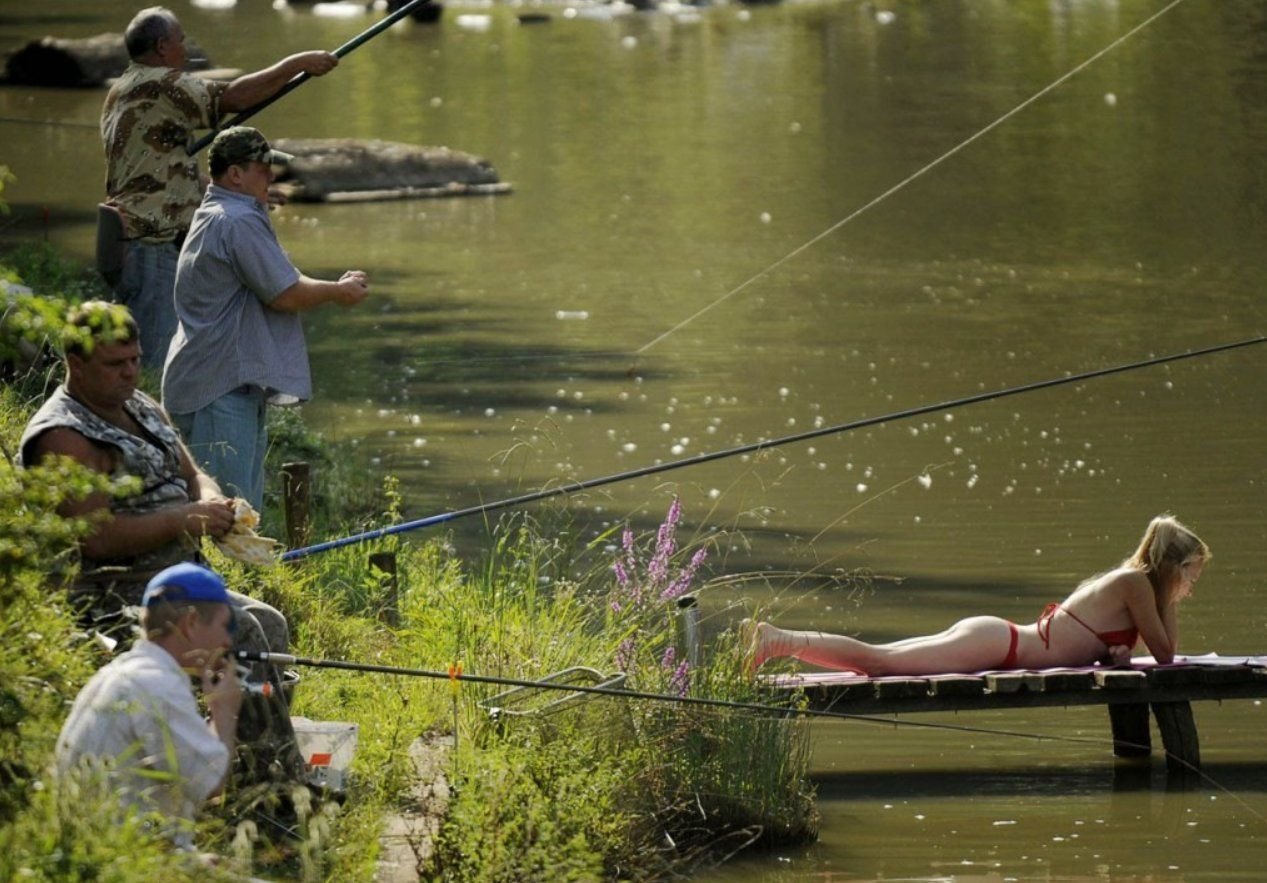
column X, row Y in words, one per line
column 1128, row 693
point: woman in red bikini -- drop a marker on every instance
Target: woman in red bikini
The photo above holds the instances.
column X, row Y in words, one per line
column 1101, row 621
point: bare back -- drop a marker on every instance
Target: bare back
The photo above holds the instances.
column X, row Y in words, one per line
column 1080, row 631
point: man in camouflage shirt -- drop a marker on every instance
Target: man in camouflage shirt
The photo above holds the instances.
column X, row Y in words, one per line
column 147, row 124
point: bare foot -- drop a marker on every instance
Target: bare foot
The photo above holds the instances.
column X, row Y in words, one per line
column 757, row 643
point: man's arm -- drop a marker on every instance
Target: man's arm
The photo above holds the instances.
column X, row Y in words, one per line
column 249, row 90
column 307, row 293
column 202, row 487
column 223, row 695
column 117, row 535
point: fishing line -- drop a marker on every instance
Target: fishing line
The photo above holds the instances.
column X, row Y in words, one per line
column 575, row 486
column 699, row 701
column 902, row 184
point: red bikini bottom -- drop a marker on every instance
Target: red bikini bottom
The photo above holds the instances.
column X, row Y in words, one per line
column 1009, row 661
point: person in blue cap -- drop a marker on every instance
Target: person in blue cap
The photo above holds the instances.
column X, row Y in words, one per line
column 137, row 722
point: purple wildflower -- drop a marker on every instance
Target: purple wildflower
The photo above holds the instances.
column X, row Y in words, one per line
column 625, row 654
column 666, row 545
column 685, row 576
column 670, row 654
column 680, row 681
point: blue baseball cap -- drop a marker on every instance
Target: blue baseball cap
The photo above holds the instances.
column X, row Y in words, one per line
column 185, row 582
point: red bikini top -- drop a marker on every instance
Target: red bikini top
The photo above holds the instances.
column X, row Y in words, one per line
column 1121, row 637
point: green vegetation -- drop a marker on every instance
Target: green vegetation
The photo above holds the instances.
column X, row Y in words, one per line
column 601, row 788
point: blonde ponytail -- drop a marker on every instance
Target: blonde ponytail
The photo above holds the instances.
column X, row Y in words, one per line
column 1166, row 546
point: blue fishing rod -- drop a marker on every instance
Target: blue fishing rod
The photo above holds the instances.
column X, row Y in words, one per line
column 359, row 40
column 572, row 487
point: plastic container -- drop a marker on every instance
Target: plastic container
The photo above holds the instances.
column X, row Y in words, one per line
column 327, row 748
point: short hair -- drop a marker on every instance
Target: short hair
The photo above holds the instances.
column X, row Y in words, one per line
column 97, row 321
column 159, row 619
column 146, row 28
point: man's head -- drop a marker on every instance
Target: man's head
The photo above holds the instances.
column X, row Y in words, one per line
column 241, row 159
column 103, row 352
column 154, row 36
column 189, row 603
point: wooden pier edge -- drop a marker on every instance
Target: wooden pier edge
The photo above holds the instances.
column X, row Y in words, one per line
column 1129, row 694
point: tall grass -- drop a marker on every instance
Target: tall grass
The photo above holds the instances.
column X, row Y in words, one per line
column 604, row 788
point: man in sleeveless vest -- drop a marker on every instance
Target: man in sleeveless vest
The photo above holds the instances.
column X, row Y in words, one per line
column 100, row 419
column 147, row 124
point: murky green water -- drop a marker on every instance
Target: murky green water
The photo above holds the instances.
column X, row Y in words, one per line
column 736, row 161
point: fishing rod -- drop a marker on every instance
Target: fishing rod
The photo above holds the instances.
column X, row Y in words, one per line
column 359, row 40
column 267, row 656
column 706, row 457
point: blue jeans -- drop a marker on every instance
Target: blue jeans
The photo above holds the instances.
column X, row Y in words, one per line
column 148, row 288
column 228, row 439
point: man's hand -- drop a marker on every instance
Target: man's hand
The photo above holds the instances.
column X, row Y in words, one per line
column 213, row 518
column 314, row 63
column 353, row 286
column 221, row 689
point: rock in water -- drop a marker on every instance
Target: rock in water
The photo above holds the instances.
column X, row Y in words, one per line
column 353, row 169
column 77, row 63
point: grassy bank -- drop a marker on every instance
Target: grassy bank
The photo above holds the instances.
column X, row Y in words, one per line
column 604, row 789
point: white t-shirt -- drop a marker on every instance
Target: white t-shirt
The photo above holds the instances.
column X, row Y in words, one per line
column 137, row 717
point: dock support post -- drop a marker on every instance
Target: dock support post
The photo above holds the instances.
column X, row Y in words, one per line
column 1178, row 735
column 1129, row 721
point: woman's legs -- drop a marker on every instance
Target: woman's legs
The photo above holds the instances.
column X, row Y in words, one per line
column 973, row 644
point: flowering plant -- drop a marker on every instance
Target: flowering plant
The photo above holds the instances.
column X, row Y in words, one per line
column 640, row 598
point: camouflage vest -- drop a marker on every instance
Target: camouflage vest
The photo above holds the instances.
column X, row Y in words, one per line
column 155, row 460
column 147, row 123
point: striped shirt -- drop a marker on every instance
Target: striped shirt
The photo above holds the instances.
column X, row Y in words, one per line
column 230, row 269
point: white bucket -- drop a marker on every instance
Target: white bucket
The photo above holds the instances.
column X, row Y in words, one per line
column 327, row 748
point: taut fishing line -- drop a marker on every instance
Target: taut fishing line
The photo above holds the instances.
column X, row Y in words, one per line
column 575, row 486
column 902, row 184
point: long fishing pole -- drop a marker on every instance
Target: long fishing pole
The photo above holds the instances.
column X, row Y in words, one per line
column 268, row 656
column 359, row 40
column 574, row 486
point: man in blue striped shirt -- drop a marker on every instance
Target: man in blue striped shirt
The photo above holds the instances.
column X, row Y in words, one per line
column 239, row 343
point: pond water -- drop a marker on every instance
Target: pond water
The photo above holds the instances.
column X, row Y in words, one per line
column 735, row 223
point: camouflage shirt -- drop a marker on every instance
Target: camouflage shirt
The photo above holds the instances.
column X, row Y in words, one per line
column 147, row 123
